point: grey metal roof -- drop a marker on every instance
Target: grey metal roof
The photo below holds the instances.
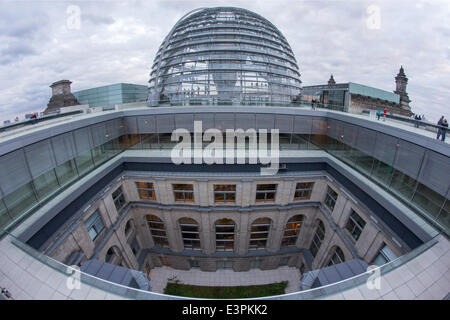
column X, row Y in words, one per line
column 116, row 274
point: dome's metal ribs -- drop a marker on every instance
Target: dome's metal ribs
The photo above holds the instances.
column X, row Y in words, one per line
column 233, row 66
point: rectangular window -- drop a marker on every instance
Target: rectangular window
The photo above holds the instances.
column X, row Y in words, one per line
column 146, row 190
column 355, row 225
column 183, row 192
column 119, row 199
column 266, row 192
column 384, row 256
column 94, row 225
column 319, row 235
column 224, row 193
column 224, row 264
column 194, row 264
column 284, row 261
column 330, row 199
column 303, row 190
column 255, row 264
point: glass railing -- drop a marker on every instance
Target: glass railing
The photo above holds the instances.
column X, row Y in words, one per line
column 24, row 200
column 358, row 280
column 131, row 293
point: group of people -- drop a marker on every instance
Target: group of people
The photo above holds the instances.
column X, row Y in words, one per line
column 382, row 113
column 443, row 129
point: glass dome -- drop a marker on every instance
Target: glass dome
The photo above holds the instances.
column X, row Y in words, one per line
column 224, row 56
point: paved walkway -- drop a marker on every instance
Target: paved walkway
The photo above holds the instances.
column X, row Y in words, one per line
column 225, row 277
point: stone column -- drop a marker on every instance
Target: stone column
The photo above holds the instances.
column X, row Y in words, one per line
column 242, row 233
column 207, row 233
column 172, row 232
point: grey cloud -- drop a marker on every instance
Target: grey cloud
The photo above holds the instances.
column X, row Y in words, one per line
column 14, row 51
column 97, row 19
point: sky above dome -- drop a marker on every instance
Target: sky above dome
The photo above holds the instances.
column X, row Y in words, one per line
column 115, row 41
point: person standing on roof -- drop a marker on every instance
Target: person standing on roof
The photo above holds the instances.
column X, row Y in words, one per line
column 439, row 123
column 442, row 131
column 378, row 114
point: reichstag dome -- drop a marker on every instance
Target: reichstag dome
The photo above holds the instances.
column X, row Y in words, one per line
column 224, row 56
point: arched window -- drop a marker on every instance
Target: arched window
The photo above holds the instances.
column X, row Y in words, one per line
column 338, row 257
column 225, row 229
column 190, row 233
column 319, row 235
column 259, row 233
column 291, row 231
column 158, row 231
column 113, row 256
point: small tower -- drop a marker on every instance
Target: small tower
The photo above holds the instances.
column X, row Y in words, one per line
column 61, row 97
column 331, row 81
column 401, row 81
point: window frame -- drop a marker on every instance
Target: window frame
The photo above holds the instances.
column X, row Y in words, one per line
column 146, row 190
column 285, row 240
column 119, row 199
column 265, row 192
column 332, row 199
column 161, row 230
column 225, row 193
column 93, row 224
column 188, row 243
column 356, row 225
column 224, row 247
column 303, row 190
column 183, row 192
column 259, row 243
column 317, row 239
column 332, row 261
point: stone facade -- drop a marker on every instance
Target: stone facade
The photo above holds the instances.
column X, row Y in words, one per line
column 129, row 225
column 61, row 97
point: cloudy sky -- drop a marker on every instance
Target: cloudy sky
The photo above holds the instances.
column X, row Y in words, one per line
column 115, row 41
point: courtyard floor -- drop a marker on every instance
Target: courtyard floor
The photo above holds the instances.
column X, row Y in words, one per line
column 225, row 277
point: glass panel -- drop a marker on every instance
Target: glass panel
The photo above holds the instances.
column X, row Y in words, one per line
column 4, row 217
column 66, row 172
column 382, row 172
column 363, row 161
column 99, row 154
column 20, row 200
column 403, row 184
column 428, row 200
column 444, row 216
column 46, row 184
column 84, row 163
